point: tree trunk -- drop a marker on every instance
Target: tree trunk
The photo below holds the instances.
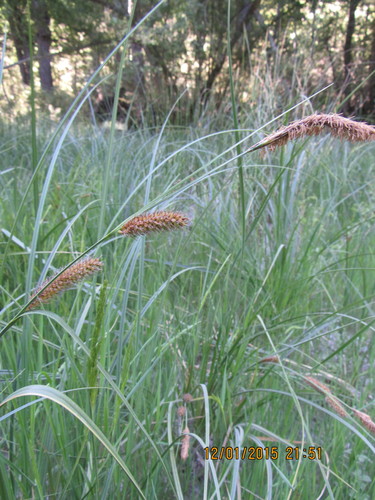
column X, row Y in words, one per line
column 23, row 56
column 348, row 55
column 44, row 40
column 371, row 93
column 242, row 19
column 19, row 35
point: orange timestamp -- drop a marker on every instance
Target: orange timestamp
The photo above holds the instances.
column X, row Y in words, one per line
column 262, row 453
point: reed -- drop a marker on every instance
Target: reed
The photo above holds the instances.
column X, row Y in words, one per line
column 159, row 350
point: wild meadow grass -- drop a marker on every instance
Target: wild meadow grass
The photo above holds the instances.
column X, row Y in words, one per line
column 225, row 325
column 252, row 327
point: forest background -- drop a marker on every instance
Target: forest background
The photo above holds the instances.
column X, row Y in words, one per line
column 294, row 47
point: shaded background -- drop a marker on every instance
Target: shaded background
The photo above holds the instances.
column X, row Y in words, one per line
column 292, row 48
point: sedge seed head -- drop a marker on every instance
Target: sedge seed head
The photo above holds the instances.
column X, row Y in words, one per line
column 317, row 385
column 75, row 273
column 338, row 126
column 366, row 420
column 271, row 359
column 188, row 398
column 181, row 411
column 335, row 404
column 185, row 445
column 154, row 222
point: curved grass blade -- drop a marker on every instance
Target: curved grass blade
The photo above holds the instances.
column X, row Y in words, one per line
column 110, row 381
column 63, row 400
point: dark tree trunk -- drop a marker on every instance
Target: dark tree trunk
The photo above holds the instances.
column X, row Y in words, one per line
column 371, row 93
column 43, row 40
column 19, row 35
column 242, row 19
column 348, row 54
column 156, row 59
column 23, row 56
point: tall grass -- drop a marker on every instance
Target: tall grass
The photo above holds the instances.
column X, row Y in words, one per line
column 230, row 320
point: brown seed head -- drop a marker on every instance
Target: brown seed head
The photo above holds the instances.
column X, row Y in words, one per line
column 185, row 444
column 339, row 126
column 330, row 399
column 188, row 398
column 75, row 273
column 271, row 359
column 335, row 404
column 366, row 420
column 317, row 385
column 181, row 411
column 153, row 222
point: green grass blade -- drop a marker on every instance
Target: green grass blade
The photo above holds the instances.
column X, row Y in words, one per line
column 69, row 405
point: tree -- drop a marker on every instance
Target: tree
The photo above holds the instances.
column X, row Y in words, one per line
column 15, row 11
column 184, row 45
column 242, row 20
column 76, row 25
column 43, row 38
column 353, row 4
column 371, row 92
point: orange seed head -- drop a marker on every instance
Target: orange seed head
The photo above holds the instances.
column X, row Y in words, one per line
column 154, row 222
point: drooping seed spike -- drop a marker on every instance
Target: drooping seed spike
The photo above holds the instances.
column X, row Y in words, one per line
column 181, row 411
column 317, row 385
column 335, row 404
column 330, row 399
column 185, row 445
column 75, row 273
column 271, row 359
column 188, row 398
column 366, row 420
column 338, row 126
column 154, row 222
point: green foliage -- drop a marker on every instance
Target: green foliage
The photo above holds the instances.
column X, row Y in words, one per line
column 182, row 48
column 96, row 342
column 209, row 308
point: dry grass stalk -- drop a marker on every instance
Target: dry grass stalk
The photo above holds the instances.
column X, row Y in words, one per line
column 366, row 420
column 75, row 273
column 339, row 126
column 154, row 222
column 185, row 445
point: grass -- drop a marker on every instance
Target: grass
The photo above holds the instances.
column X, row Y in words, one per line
column 281, row 268
column 197, row 315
